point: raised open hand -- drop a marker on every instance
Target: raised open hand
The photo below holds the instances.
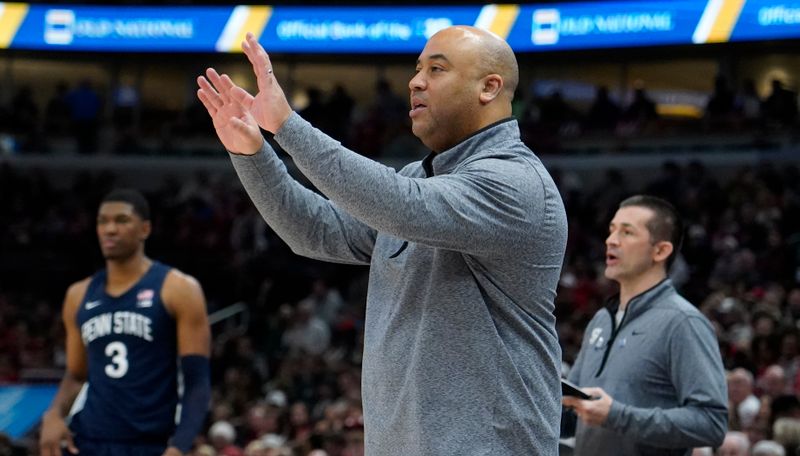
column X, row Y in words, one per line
column 269, row 107
column 235, row 126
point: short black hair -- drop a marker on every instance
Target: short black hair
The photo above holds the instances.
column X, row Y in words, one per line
column 665, row 225
column 132, row 197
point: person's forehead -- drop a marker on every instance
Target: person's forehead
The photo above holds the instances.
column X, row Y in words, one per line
column 453, row 45
column 632, row 215
column 116, row 207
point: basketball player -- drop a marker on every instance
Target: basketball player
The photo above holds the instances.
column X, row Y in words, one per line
column 129, row 328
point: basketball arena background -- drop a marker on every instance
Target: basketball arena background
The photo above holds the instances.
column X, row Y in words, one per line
column 695, row 101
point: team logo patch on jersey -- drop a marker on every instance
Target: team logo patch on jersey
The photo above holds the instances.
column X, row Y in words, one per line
column 595, row 335
column 145, row 298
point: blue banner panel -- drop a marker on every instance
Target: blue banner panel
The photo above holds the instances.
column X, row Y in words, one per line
column 572, row 26
column 22, row 406
column 768, row 20
column 359, row 29
column 131, row 29
column 386, row 29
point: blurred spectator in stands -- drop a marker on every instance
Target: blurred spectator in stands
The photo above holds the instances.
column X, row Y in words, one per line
column 25, row 120
column 768, row 448
column 85, row 106
column 720, row 108
column 269, row 446
column 261, row 420
column 339, row 109
column 125, row 102
column 385, row 119
column 314, row 110
column 300, row 426
column 25, row 112
column 761, row 429
column 222, row 436
column 772, row 383
column 125, row 117
column 668, row 183
column 764, row 351
column 519, row 104
column 57, row 112
column 640, row 114
column 556, row 114
column 786, row 406
column 309, row 334
column 735, row 444
column 780, row 106
column 326, row 300
column 748, row 104
column 743, row 405
column 790, row 358
column 394, row 108
column 786, row 431
column 604, row 113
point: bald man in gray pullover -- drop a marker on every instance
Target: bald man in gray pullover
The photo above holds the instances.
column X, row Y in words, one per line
column 465, row 247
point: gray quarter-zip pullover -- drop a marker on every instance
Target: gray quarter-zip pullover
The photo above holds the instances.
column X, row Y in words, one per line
column 663, row 369
column 461, row 355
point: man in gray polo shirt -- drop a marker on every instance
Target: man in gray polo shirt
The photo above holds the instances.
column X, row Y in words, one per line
column 465, row 247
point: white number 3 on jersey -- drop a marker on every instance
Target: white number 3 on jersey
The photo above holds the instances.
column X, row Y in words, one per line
column 119, row 359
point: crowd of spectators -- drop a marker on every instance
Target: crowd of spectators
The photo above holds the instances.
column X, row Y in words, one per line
column 548, row 119
column 286, row 379
column 82, row 120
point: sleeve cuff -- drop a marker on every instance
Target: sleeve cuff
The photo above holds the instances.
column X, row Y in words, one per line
column 285, row 135
column 615, row 415
column 258, row 152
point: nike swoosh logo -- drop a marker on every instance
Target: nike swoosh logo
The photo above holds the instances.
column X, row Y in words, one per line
column 92, row 304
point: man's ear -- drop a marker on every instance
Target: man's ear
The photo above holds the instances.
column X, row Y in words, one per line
column 663, row 249
column 146, row 229
column 492, row 87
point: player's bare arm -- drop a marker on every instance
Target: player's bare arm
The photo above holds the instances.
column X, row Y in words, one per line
column 184, row 299
column 54, row 428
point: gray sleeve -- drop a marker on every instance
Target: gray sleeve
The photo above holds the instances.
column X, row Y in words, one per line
column 574, row 374
column 569, row 420
column 698, row 377
column 311, row 225
column 483, row 208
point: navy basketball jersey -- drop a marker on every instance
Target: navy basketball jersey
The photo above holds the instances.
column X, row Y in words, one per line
column 133, row 362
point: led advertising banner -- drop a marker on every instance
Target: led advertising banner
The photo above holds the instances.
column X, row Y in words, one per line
column 402, row 29
column 89, row 28
column 768, row 20
column 360, row 29
column 21, row 407
column 606, row 25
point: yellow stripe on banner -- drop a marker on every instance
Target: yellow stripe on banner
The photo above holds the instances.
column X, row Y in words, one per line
column 726, row 19
column 256, row 22
column 11, row 17
column 504, row 20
